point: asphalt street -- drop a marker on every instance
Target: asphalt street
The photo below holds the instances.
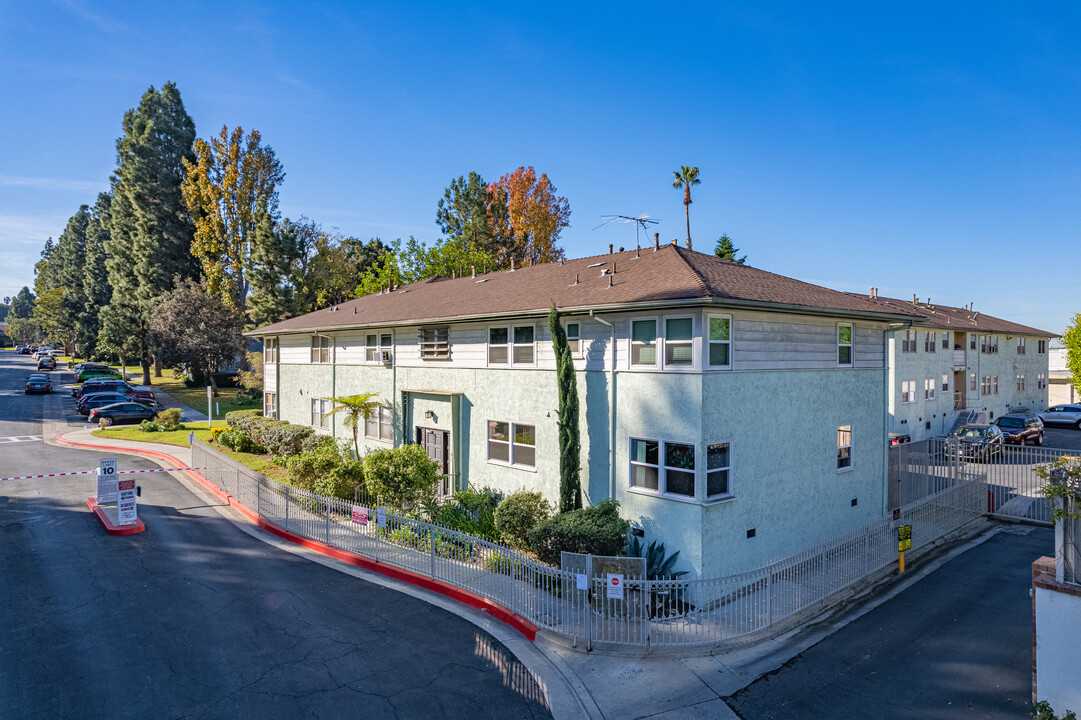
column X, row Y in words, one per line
column 956, row 644
column 197, row 619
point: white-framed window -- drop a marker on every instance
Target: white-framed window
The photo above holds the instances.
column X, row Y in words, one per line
column 320, row 349
column 574, row 337
column 644, row 342
column 908, row 391
column 270, row 350
column 844, row 344
column 512, row 444
column 930, row 341
column 1041, row 381
column 511, row 345
column 985, row 385
column 945, row 340
column 1020, row 346
column 1041, row 347
column 1020, row 383
column 380, row 425
column 908, row 342
column 972, row 381
column 270, row 404
column 989, row 344
column 435, row 343
column 320, row 408
column 375, row 344
column 665, row 468
column 678, row 342
column 996, row 384
column 945, row 383
column 718, row 470
column 972, row 342
column 720, row 341
column 844, row 447
column 929, row 389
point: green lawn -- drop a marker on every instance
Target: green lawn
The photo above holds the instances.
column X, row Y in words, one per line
column 258, row 463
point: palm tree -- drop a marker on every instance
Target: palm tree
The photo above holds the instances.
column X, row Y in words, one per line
column 357, row 408
column 684, row 178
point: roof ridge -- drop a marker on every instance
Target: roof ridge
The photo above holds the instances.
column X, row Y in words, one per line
column 702, row 284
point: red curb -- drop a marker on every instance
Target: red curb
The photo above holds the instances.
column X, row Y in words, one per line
column 486, row 606
column 110, row 529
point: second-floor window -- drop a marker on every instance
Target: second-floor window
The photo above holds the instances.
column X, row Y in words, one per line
column 644, row 343
column 945, row 340
column 1041, row 347
column 908, row 341
column 574, row 338
column 270, row 350
column 511, row 345
column 720, row 341
column 930, row 341
column 435, row 343
column 320, row 349
column 844, row 344
column 375, row 344
column 908, row 391
column 1020, row 346
column 989, row 344
column 678, row 342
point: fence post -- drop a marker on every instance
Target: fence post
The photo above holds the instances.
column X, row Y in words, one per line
column 328, row 521
column 589, row 602
column 286, row 507
column 432, row 537
column 259, row 498
column 769, row 598
column 236, row 485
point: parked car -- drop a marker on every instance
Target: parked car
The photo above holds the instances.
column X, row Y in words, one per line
column 96, row 385
column 899, row 439
column 1062, row 415
column 90, row 402
column 124, row 412
column 975, row 441
column 93, row 372
column 38, row 383
column 1021, row 428
column 80, row 366
column 46, row 362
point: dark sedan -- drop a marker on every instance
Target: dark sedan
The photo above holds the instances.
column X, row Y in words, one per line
column 1021, row 428
column 123, row 412
column 976, row 442
column 91, row 402
column 47, row 363
column 38, row 384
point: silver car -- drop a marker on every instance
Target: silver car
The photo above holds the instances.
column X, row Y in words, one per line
column 1062, row 415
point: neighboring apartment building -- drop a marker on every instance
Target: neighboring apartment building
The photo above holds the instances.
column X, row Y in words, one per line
column 735, row 414
column 1062, row 388
column 960, row 363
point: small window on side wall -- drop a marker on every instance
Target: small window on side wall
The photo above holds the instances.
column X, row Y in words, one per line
column 678, row 342
column 718, row 466
column 574, row 338
column 720, row 341
column 844, row 447
column 844, row 345
column 644, row 343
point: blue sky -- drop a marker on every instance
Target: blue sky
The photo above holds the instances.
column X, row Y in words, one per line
column 927, row 150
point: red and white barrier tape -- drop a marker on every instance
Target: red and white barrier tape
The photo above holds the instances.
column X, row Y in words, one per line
column 87, row 472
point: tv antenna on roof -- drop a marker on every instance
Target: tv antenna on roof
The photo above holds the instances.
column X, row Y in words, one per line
column 642, row 222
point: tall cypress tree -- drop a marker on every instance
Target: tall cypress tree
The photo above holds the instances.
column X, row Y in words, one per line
column 150, row 236
column 97, row 292
column 570, row 441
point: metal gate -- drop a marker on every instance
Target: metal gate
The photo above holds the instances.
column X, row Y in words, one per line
column 610, row 613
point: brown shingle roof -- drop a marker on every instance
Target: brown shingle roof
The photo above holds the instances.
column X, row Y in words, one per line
column 669, row 274
column 954, row 318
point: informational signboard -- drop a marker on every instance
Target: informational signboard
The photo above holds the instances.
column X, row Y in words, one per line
column 360, row 515
column 904, row 538
column 583, row 581
column 126, row 512
column 381, row 517
column 107, row 481
column 615, row 587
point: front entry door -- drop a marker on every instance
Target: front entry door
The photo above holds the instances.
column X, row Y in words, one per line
column 435, row 444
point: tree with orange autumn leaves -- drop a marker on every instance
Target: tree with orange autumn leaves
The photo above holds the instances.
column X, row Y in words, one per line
column 535, row 217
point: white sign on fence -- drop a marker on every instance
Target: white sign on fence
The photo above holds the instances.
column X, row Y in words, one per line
column 615, row 587
column 360, row 515
column 107, row 481
column 583, row 581
column 381, row 517
column 126, row 512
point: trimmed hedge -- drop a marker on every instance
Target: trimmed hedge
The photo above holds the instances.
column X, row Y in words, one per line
column 277, row 436
column 519, row 513
column 597, row 530
column 240, row 414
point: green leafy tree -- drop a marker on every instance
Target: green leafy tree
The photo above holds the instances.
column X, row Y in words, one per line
column 404, row 477
column 727, row 251
column 1071, row 339
column 225, row 186
column 150, row 229
column 357, row 409
column 570, row 439
column 24, row 331
column 417, row 261
column 196, row 328
column 51, row 315
column 682, row 179
column 22, row 305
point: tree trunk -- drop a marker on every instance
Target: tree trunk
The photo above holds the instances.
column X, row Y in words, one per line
column 145, row 362
column 157, row 365
column 687, row 207
column 210, row 381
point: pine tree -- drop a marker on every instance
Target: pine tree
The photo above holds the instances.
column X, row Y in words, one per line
column 96, row 288
column 727, row 251
column 570, row 442
column 274, row 253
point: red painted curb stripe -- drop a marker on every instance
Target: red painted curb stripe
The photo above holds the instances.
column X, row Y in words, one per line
column 486, row 606
column 110, row 529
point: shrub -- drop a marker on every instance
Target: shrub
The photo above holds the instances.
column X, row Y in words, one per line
column 168, row 419
column 309, row 467
column 240, row 442
column 597, row 530
column 215, row 433
column 283, row 438
column 404, row 476
column 342, row 481
column 246, row 423
column 518, row 514
column 480, row 506
column 150, row 426
column 235, row 414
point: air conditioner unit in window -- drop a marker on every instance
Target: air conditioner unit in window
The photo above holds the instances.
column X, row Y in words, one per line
column 385, row 356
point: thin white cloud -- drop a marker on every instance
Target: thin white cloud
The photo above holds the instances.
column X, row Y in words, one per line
column 44, row 183
column 96, row 19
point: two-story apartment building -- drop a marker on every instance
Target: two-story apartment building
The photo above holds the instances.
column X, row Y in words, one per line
column 960, row 363
column 735, row 414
